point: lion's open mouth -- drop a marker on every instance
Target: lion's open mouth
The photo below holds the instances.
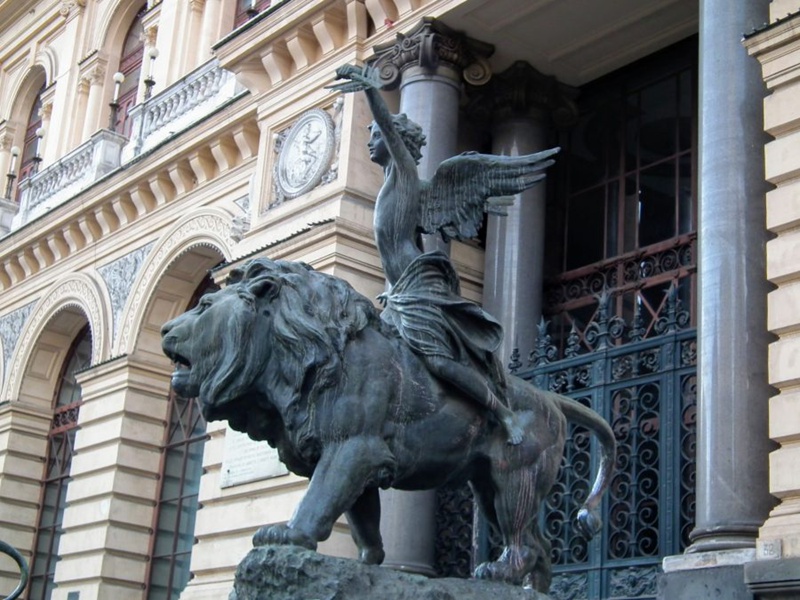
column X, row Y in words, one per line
column 182, row 375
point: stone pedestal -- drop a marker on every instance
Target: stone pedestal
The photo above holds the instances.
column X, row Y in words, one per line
column 292, row 573
column 706, row 575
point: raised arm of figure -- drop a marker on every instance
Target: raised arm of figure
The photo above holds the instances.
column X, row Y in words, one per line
column 364, row 79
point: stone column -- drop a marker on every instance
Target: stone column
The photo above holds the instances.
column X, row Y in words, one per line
column 733, row 497
column 427, row 64
column 521, row 104
column 210, row 29
column 733, row 443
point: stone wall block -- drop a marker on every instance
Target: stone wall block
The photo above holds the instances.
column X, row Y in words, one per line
column 782, row 158
column 782, row 317
column 784, row 417
column 783, row 206
column 783, row 256
column 784, row 360
column 783, row 473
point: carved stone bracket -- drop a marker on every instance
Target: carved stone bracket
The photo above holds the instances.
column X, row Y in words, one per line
column 520, row 90
column 428, row 45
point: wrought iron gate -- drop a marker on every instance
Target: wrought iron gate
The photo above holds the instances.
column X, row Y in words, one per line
column 646, row 389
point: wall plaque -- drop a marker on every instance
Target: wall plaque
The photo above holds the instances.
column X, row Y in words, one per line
column 305, row 154
column 244, row 460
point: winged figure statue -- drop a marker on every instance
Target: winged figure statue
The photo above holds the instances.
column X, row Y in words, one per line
column 457, row 339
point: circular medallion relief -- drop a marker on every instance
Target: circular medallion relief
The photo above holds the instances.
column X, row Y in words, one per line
column 305, row 154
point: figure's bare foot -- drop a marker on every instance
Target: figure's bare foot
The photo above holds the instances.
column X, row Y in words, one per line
column 514, row 429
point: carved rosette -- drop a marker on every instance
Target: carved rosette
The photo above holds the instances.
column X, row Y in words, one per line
column 307, row 153
column 521, row 90
column 10, row 327
column 119, row 277
column 428, row 45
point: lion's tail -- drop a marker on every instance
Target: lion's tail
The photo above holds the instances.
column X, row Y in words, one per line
column 588, row 521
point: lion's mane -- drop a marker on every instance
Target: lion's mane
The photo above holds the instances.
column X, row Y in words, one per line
column 313, row 317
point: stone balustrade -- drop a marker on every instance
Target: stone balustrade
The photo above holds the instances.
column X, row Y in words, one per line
column 68, row 176
column 180, row 106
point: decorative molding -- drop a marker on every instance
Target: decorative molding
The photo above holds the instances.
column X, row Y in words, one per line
column 428, row 45
column 80, row 291
column 304, row 152
column 11, row 326
column 211, row 227
column 119, row 276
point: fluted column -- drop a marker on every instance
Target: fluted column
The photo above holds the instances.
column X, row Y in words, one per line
column 521, row 104
column 733, row 497
column 427, row 64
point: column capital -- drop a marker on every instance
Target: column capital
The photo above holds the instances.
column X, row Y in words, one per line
column 429, row 45
column 521, row 90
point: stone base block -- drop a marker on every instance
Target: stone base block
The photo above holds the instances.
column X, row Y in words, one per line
column 290, row 573
column 774, row 579
column 704, row 584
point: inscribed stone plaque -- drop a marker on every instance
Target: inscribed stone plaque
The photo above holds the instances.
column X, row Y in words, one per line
column 244, row 460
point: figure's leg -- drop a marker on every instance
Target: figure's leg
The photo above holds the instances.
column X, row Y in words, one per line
column 520, row 490
column 365, row 526
column 344, row 471
column 472, row 383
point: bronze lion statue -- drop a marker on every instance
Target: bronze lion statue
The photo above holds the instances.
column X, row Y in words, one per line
column 301, row 360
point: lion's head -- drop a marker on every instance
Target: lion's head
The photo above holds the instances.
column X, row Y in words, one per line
column 273, row 336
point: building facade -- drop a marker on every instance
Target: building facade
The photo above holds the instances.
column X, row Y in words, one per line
column 150, row 146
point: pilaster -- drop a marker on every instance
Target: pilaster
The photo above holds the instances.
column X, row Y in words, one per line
column 110, row 500
column 23, row 446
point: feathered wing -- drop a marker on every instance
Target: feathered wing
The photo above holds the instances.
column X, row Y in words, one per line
column 467, row 185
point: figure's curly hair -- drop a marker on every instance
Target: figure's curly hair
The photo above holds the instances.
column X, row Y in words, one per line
column 411, row 134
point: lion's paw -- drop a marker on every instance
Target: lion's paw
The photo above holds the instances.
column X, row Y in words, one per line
column 282, row 535
column 372, row 556
column 495, row 571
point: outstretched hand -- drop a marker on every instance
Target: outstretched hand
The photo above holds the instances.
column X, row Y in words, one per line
column 359, row 79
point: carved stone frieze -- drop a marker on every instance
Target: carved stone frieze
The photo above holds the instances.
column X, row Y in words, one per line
column 10, row 327
column 119, row 276
column 307, row 153
column 205, row 225
column 428, row 45
column 521, row 90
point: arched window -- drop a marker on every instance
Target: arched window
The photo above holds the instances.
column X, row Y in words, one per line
column 130, row 65
column 29, row 163
column 60, row 446
column 181, row 468
column 247, row 9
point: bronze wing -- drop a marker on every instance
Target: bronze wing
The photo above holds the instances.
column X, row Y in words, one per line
column 467, row 185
